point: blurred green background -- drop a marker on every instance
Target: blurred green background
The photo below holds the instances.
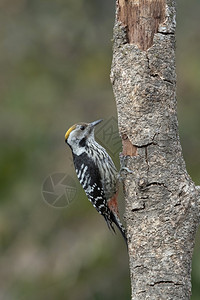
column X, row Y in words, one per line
column 55, row 59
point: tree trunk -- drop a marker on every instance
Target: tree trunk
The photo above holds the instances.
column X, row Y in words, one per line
column 162, row 202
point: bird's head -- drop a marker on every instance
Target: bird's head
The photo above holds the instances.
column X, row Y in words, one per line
column 80, row 134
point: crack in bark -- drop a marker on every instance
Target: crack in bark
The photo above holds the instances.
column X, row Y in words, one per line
column 165, row 282
column 156, row 75
column 166, row 33
column 182, row 191
column 140, row 266
column 154, row 183
column 142, row 207
column 141, row 292
column 167, row 80
column 177, row 204
column 148, row 144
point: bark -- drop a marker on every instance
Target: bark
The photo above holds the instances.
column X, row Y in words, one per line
column 162, row 202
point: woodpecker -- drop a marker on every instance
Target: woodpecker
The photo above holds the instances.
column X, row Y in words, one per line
column 96, row 172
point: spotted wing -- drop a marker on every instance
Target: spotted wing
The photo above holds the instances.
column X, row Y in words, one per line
column 90, row 179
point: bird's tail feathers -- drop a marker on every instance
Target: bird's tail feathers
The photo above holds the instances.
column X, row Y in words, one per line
column 114, row 219
column 110, row 225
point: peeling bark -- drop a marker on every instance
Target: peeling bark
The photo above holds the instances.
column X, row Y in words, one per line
column 162, row 202
column 128, row 148
column 141, row 18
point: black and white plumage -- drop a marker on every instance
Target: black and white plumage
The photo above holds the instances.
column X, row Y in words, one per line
column 95, row 171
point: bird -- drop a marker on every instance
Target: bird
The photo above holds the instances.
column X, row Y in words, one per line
column 96, row 172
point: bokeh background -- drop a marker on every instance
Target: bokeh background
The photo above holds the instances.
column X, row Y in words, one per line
column 55, row 59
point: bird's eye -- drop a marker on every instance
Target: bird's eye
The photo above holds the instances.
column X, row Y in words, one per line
column 82, row 127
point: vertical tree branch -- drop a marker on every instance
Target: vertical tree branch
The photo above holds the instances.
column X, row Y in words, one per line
column 162, row 211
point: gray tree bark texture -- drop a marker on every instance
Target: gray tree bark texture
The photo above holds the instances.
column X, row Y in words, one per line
column 162, row 202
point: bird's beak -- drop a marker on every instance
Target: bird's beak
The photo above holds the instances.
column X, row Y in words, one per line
column 95, row 123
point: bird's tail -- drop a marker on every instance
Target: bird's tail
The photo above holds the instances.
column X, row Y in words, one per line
column 121, row 228
column 115, row 219
column 114, row 216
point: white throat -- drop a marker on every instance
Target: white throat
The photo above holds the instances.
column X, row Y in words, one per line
column 74, row 143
